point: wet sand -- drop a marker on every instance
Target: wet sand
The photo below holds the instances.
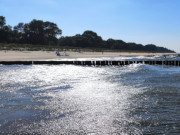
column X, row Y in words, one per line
column 49, row 55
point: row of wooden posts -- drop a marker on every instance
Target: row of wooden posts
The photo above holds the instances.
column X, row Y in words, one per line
column 89, row 63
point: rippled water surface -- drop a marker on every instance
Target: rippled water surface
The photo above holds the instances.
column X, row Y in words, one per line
column 67, row 99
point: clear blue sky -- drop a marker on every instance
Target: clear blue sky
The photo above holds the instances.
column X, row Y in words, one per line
column 140, row 21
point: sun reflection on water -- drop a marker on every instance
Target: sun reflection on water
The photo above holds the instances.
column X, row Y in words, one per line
column 72, row 99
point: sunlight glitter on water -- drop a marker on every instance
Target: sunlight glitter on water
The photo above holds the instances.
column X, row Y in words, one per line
column 79, row 99
column 75, row 98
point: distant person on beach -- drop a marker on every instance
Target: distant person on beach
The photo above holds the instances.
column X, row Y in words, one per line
column 57, row 53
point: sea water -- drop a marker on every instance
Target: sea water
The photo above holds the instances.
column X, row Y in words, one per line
column 95, row 100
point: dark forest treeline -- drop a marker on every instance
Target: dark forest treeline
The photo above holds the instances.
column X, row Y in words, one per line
column 35, row 32
column 38, row 32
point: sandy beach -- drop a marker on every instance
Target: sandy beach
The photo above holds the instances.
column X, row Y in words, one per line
column 49, row 55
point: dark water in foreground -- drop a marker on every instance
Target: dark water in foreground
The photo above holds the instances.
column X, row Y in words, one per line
column 134, row 99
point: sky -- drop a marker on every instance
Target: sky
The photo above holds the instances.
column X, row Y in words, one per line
column 140, row 21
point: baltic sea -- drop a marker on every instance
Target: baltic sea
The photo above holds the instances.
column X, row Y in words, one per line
column 69, row 99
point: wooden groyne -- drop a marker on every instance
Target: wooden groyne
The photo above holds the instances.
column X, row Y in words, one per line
column 95, row 63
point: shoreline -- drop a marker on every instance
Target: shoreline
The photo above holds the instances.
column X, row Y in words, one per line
column 49, row 55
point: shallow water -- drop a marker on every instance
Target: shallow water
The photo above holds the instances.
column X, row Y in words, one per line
column 67, row 99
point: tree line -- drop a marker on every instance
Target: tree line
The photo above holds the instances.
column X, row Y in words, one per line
column 38, row 32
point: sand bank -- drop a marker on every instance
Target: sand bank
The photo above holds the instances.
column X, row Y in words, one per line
column 49, row 55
